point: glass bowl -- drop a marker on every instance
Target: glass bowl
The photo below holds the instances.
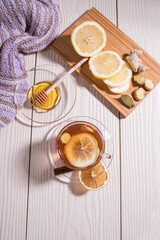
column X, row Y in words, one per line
column 68, row 95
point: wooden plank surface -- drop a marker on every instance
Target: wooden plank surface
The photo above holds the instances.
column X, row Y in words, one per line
column 14, row 162
column 140, row 133
column 129, row 207
column 116, row 41
column 66, row 211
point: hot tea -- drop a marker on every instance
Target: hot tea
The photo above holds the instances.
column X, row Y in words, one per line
column 80, row 145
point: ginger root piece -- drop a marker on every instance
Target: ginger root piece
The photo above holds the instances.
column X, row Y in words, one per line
column 142, row 68
column 135, row 62
column 127, row 100
column 139, row 94
column 136, row 51
column 65, row 138
column 148, row 84
column 139, row 79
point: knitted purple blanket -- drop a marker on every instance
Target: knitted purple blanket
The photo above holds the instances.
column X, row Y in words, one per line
column 26, row 26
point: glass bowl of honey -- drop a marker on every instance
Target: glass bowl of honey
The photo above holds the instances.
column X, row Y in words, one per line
column 60, row 102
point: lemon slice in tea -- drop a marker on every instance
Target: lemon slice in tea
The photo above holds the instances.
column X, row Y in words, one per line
column 53, row 96
column 88, row 38
column 82, row 150
column 95, row 178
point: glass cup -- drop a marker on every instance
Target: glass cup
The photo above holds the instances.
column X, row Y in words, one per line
column 81, row 125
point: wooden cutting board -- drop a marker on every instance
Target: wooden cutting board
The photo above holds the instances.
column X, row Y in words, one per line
column 116, row 41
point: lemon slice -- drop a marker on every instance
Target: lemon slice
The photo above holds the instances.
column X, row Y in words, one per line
column 82, row 150
column 88, row 38
column 95, row 178
column 105, row 64
column 120, row 78
column 121, row 89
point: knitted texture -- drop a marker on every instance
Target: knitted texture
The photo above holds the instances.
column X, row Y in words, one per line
column 26, row 26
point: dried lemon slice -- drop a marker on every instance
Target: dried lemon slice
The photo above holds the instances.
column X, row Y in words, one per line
column 95, row 178
column 105, row 64
column 88, row 38
column 120, row 78
column 82, row 150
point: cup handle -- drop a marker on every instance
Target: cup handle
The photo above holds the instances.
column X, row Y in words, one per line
column 107, row 158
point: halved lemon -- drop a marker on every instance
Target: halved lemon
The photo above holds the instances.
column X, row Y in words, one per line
column 88, row 38
column 121, row 89
column 105, row 64
column 95, row 178
column 120, row 78
column 82, row 150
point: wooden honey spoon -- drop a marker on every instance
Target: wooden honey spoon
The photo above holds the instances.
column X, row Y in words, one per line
column 42, row 97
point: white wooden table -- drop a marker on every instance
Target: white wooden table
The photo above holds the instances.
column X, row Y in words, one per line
column 33, row 205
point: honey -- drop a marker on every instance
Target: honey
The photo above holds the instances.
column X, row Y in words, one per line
column 53, row 97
